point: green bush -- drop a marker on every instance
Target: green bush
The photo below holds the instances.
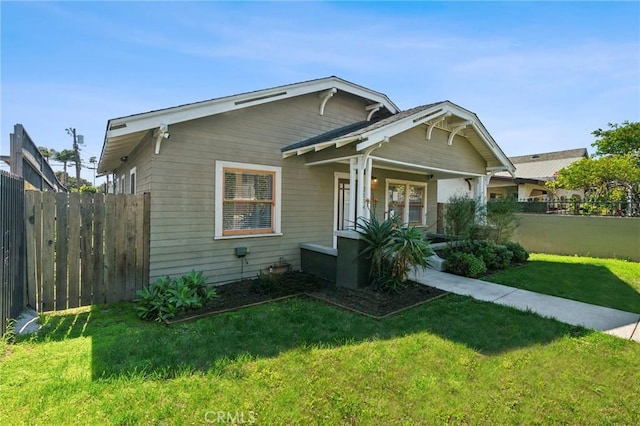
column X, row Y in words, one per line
column 495, row 257
column 462, row 215
column 502, row 219
column 393, row 250
column 503, row 257
column 465, row 264
column 520, row 254
column 167, row 297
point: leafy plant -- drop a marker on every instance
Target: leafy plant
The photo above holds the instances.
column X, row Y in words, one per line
column 167, row 297
column 465, row 264
column 520, row 254
column 377, row 235
column 502, row 219
column 461, row 217
column 393, row 251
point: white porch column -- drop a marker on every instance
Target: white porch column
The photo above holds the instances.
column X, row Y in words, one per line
column 353, row 169
column 481, row 190
column 367, row 190
column 360, row 208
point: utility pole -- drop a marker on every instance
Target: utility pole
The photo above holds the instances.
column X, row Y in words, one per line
column 77, row 139
column 93, row 160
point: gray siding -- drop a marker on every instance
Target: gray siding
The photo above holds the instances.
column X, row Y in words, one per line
column 412, row 147
column 183, row 183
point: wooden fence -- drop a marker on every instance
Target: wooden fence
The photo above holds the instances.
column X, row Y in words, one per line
column 11, row 237
column 85, row 249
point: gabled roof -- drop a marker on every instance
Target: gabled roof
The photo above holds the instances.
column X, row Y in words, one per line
column 124, row 133
column 366, row 135
column 555, row 155
column 544, row 166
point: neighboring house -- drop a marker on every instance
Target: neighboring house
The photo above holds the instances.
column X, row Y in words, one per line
column 265, row 171
column 532, row 171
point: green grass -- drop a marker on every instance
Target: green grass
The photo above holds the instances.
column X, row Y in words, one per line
column 605, row 282
column 453, row 360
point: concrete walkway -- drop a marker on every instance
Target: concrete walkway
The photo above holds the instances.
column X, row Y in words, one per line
column 612, row 321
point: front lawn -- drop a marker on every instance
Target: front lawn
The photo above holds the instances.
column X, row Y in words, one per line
column 299, row 361
column 605, row 282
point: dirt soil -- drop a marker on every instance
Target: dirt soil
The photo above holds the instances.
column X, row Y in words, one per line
column 248, row 292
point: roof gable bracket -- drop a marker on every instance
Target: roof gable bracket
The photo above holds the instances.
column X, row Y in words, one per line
column 432, row 125
column 325, row 96
column 456, row 129
column 373, row 109
column 161, row 134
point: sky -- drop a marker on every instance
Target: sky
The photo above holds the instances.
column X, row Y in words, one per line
column 541, row 76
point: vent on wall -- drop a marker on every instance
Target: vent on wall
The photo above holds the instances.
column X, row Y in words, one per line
column 259, row 98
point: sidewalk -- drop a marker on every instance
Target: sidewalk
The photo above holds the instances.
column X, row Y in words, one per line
column 612, row 321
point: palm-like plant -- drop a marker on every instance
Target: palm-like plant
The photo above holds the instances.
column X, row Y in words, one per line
column 393, row 251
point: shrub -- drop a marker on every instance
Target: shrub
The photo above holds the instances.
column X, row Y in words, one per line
column 393, row 250
column 520, row 254
column 465, row 264
column 502, row 219
column 167, row 297
column 461, row 215
column 503, row 257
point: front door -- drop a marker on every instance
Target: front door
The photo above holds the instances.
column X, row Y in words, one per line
column 341, row 219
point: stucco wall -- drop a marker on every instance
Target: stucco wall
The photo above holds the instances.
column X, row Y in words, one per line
column 580, row 235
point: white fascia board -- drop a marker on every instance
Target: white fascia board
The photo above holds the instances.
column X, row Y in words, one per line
column 493, row 146
column 150, row 120
column 377, row 135
column 419, row 166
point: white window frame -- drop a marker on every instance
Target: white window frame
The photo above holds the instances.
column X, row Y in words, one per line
column 122, row 184
column 219, row 198
column 133, row 189
column 405, row 218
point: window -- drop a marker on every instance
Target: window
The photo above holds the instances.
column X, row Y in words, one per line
column 121, row 189
column 132, row 180
column 407, row 200
column 247, row 200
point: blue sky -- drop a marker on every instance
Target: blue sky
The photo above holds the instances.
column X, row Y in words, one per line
column 541, row 76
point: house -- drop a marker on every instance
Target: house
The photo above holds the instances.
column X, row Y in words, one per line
column 240, row 182
column 532, row 171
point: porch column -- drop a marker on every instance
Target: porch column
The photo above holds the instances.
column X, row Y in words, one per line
column 360, row 208
column 481, row 190
column 353, row 170
column 367, row 189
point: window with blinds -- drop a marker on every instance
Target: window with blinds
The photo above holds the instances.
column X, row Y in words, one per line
column 249, row 202
column 407, row 200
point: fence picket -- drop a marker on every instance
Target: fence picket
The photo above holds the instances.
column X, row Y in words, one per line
column 130, row 284
column 120, row 248
column 37, row 240
column 86, row 242
column 97, row 280
column 30, row 240
column 73, row 260
column 47, row 302
column 62, row 246
column 109, row 258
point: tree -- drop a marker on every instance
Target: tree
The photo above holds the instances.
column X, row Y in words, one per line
column 47, row 152
column 65, row 156
column 613, row 175
column 72, row 183
column 618, row 140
